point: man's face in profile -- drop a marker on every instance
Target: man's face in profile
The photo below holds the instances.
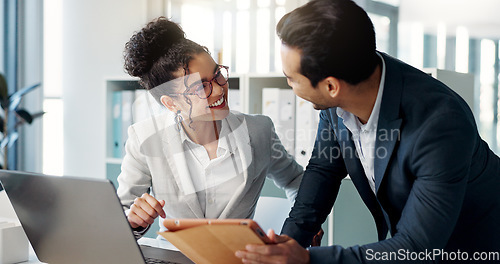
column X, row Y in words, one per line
column 301, row 85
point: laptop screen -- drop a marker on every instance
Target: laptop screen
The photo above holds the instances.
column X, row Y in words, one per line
column 71, row 220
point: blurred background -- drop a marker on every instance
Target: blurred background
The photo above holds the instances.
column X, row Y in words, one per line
column 74, row 48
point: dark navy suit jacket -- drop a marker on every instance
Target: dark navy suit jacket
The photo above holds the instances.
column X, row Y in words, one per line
column 437, row 182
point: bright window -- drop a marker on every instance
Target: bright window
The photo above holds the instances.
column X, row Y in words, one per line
column 382, row 31
column 53, row 105
column 487, row 78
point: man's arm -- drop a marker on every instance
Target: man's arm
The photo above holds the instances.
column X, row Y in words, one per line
column 440, row 161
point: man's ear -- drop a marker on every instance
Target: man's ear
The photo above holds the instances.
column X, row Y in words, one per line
column 169, row 103
column 330, row 85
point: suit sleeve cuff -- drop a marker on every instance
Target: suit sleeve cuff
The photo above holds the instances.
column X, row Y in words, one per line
column 316, row 255
column 140, row 231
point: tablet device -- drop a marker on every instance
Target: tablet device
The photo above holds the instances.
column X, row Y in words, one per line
column 180, row 224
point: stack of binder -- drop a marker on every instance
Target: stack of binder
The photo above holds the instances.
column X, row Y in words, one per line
column 306, row 125
column 279, row 105
column 233, row 98
column 122, row 119
column 130, row 106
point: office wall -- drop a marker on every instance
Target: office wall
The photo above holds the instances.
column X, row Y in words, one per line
column 94, row 35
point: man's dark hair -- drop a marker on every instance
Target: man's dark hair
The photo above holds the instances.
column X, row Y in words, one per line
column 336, row 38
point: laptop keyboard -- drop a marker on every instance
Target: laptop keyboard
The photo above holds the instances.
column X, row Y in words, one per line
column 158, row 261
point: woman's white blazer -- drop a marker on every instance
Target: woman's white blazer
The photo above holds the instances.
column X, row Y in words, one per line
column 154, row 162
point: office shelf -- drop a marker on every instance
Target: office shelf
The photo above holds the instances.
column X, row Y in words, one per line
column 116, row 161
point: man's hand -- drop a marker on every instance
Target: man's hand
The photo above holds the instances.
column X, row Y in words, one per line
column 316, row 242
column 145, row 210
column 286, row 250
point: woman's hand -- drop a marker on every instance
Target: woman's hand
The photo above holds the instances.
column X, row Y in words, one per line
column 145, row 210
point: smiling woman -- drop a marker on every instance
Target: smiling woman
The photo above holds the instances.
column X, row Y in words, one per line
column 206, row 162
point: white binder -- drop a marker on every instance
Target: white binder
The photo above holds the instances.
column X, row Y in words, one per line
column 127, row 100
column 233, row 98
column 306, row 123
column 279, row 105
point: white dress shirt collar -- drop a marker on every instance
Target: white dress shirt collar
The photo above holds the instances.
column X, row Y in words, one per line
column 224, row 135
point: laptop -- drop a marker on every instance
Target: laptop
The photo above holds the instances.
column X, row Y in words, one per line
column 77, row 220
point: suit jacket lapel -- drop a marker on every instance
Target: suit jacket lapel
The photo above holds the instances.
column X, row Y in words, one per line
column 357, row 173
column 349, row 152
column 384, row 148
column 174, row 154
column 240, row 137
column 389, row 123
column 352, row 162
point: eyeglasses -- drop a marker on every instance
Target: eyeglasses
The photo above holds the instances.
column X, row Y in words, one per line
column 204, row 89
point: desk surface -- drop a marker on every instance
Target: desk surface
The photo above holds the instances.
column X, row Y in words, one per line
column 161, row 243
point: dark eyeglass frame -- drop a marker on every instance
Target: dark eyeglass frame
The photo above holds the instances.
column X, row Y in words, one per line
column 200, row 89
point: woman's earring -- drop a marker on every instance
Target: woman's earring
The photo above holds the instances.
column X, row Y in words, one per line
column 178, row 120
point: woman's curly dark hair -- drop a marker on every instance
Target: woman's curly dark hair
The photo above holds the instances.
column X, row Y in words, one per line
column 157, row 51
